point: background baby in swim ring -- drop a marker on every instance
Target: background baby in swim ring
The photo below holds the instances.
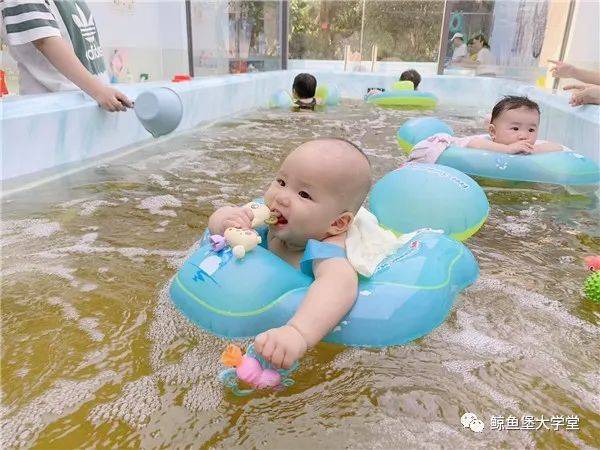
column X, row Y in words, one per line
column 303, row 90
column 315, row 194
column 513, row 128
column 407, row 75
column 411, row 75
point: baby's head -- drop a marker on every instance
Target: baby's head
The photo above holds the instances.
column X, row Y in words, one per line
column 318, row 189
column 514, row 119
column 457, row 39
column 411, row 75
column 304, row 86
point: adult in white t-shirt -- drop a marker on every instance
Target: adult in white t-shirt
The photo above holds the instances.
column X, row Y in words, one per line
column 57, row 48
column 460, row 48
column 485, row 59
column 485, row 62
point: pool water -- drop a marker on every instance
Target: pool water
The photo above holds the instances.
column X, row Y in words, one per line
column 94, row 353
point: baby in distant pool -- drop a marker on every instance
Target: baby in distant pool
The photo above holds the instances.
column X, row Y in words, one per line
column 513, row 128
column 408, row 75
column 315, row 195
column 303, row 91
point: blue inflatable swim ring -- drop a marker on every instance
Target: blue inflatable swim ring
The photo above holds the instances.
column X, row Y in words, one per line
column 281, row 99
column 328, row 94
column 416, row 196
column 414, row 131
column 410, row 294
column 563, row 168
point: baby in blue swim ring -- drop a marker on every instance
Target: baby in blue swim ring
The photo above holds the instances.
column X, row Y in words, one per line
column 513, row 129
column 315, row 196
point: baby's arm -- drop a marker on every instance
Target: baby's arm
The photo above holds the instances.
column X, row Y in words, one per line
column 230, row 216
column 329, row 298
column 486, row 144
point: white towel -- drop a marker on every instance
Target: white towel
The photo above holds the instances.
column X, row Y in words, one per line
column 367, row 244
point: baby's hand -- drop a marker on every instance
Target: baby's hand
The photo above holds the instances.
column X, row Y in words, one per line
column 281, row 346
column 230, row 216
column 238, row 217
column 520, row 147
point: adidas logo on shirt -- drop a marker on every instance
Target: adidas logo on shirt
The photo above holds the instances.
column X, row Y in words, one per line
column 86, row 25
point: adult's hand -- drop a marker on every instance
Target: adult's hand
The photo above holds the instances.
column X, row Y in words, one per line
column 584, row 94
column 111, row 99
column 63, row 58
column 562, row 69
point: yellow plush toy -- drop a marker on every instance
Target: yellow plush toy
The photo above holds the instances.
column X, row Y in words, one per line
column 241, row 241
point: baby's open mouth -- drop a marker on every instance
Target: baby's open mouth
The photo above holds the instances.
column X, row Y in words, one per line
column 276, row 218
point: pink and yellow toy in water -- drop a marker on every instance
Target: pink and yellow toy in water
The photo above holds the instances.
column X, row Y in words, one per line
column 593, row 262
column 591, row 286
column 253, row 370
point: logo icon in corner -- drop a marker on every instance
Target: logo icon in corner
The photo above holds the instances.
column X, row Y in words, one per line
column 470, row 420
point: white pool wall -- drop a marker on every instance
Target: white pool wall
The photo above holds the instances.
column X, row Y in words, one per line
column 41, row 132
column 46, row 132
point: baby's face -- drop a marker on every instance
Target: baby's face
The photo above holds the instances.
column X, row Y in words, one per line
column 304, row 195
column 520, row 124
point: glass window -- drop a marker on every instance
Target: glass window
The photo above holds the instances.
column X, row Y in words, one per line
column 236, row 37
column 321, row 29
column 402, row 30
column 507, row 39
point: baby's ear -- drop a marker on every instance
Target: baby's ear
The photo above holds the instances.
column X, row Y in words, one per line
column 492, row 130
column 341, row 223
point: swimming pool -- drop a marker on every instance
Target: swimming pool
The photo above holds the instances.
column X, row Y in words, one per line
column 60, row 131
column 95, row 353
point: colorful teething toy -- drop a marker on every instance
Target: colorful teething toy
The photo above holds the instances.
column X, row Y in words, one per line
column 593, row 262
column 242, row 241
column 591, row 286
column 253, row 370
